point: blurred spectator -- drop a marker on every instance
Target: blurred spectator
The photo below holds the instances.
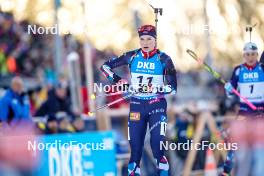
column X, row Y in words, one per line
column 24, row 53
column 57, row 102
column 14, row 104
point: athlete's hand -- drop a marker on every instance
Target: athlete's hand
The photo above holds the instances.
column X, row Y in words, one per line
column 229, row 87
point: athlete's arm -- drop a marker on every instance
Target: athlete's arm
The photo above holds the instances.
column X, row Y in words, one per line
column 235, row 77
column 108, row 66
column 170, row 74
column 233, row 82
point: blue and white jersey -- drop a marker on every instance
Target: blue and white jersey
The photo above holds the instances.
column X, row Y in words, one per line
column 146, row 72
column 250, row 83
column 154, row 71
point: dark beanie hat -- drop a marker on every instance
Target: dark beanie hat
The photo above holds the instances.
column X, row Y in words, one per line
column 147, row 30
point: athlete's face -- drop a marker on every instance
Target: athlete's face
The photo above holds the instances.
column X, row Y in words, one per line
column 147, row 43
column 251, row 57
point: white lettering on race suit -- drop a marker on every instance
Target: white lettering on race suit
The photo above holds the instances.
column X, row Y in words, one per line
column 146, row 65
column 250, row 75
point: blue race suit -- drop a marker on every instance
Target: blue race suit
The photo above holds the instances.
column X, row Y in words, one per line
column 249, row 80
column 250, row 83
column 14, row 108
column 145, row 107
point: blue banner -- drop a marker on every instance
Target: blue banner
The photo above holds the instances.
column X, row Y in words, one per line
column 82, row 154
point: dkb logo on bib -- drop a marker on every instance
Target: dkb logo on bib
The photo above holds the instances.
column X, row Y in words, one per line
column 146, row 65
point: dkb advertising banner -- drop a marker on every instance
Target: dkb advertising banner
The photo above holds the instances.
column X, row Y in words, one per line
column 82, row 154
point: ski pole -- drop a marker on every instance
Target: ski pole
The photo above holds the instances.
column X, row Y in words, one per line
column 93, row 96
column 219, row 77
column 124, row 98
column 110, row 104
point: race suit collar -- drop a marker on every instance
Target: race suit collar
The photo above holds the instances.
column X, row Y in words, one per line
column 149, row 54
column 250, row 67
